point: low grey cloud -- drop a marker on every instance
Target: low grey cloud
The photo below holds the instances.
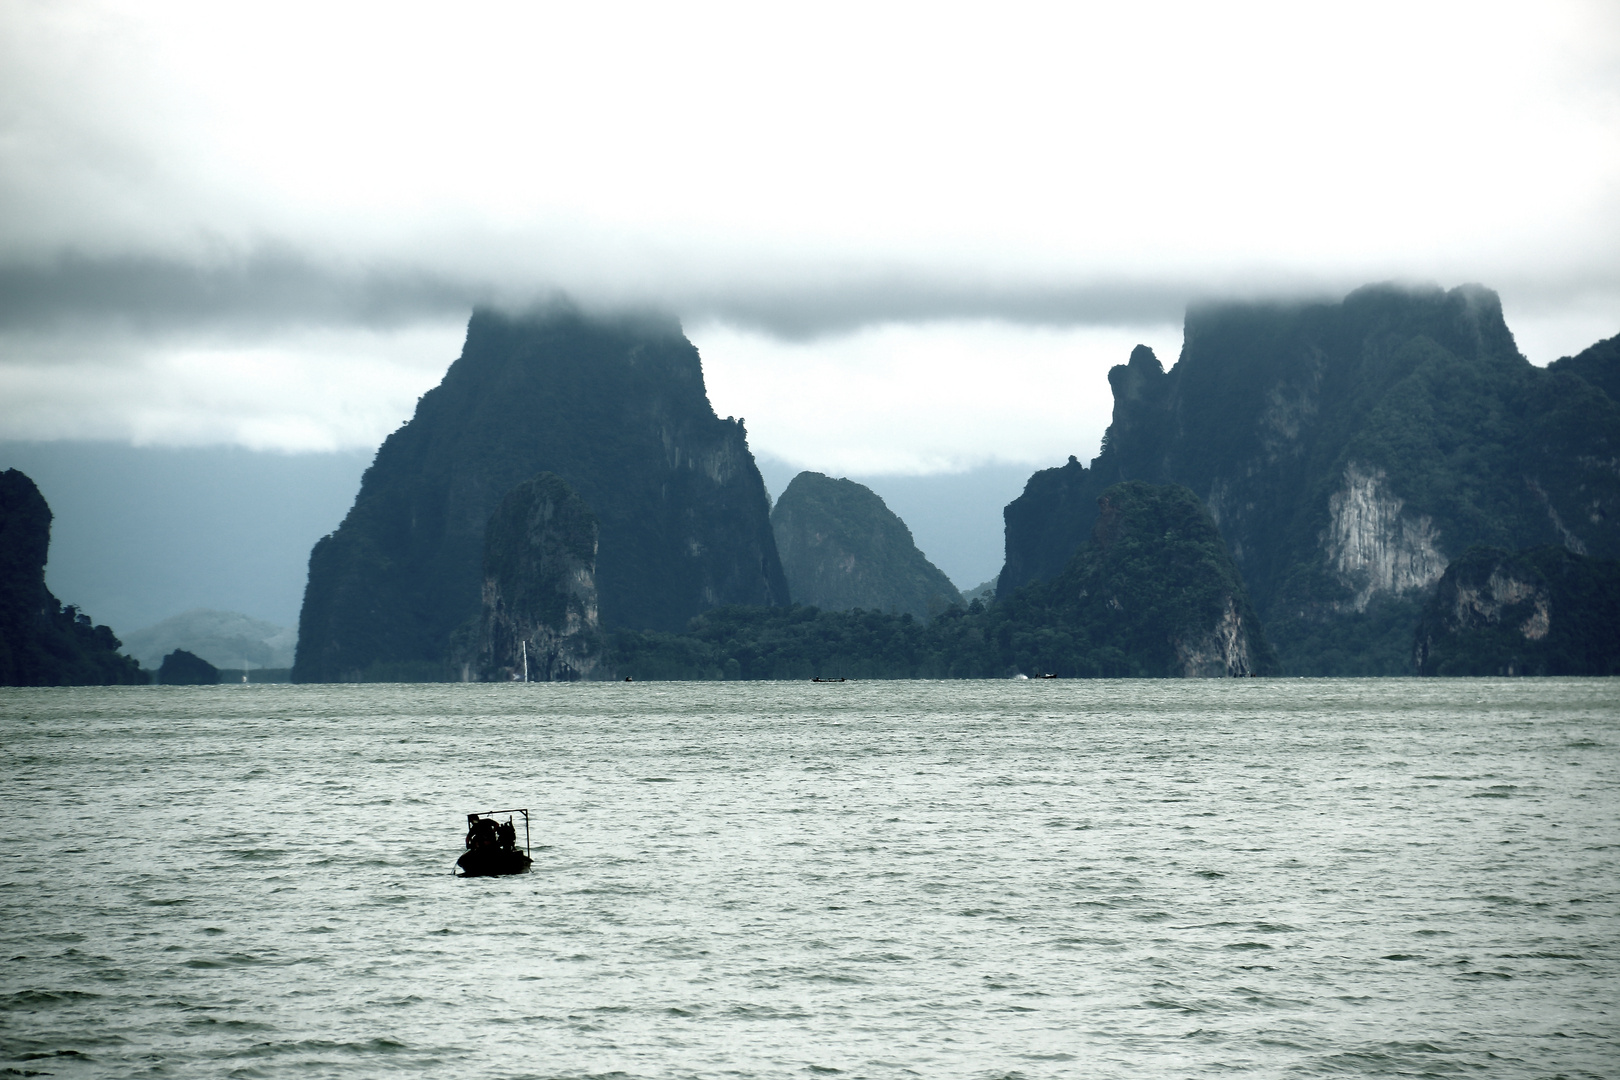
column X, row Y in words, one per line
column 277, row 288
column 266, row 290
column 292, row 208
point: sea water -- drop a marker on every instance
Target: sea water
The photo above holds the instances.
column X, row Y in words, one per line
column 866, row 879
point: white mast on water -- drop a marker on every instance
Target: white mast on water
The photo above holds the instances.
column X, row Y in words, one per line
column 525, row 659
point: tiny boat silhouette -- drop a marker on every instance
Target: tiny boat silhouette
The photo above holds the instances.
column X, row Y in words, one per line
column 818, row 678
column 492, row 845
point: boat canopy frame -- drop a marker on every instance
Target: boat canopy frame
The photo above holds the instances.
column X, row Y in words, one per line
column 515, row 810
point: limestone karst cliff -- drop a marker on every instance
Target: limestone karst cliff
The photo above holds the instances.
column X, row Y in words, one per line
column 1544, row 611
column 1348, row 451
column 1153, row 592
column 539, row 620
column 843, row 548
column 43, row 643
column 615, row 406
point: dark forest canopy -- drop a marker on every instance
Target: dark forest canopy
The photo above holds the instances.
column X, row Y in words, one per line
column 1543, row 611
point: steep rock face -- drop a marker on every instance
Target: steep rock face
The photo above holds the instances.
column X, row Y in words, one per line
column 614, row 406
column 1222, row 651
column 1347, row 451
column 843, row 548
column 1372, row 545
column 1544, row 611
column 43, row 643
column 540, row 603
column 1154, row 593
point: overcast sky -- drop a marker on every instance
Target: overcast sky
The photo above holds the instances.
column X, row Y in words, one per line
column 907, row 238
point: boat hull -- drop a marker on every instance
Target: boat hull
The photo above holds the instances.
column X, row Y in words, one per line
column 486, row 863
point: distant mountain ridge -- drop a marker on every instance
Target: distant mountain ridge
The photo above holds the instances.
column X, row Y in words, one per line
column 616, row 407
column 1348, row 452
column 842, row 548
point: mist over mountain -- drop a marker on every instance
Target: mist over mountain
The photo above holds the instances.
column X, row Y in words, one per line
column 226, row 639
column 616, row 407
column 842, row 548
column 1348, row 452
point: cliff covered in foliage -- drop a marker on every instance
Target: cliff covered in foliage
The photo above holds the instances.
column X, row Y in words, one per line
column 1153, row 594
column 43, row 643
column 1545, row 611
column 616, row 407
column 1348, row 451
column 843, row 548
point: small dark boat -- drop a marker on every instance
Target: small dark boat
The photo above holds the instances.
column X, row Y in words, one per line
column 818, row 678
column 492, row 845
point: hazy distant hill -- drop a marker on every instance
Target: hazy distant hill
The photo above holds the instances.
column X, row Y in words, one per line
column 614, row 406
column 1349, row 451
column 226, row 639
column 41, row 642
column 842, row 548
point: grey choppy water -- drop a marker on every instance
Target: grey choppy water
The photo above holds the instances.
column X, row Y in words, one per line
column 1268, row 877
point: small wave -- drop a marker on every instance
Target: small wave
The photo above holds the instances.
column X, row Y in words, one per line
column 258, row 854
column 229, row 1025
column 1170, row 1006
column 305, row 1046
column 24, row 999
